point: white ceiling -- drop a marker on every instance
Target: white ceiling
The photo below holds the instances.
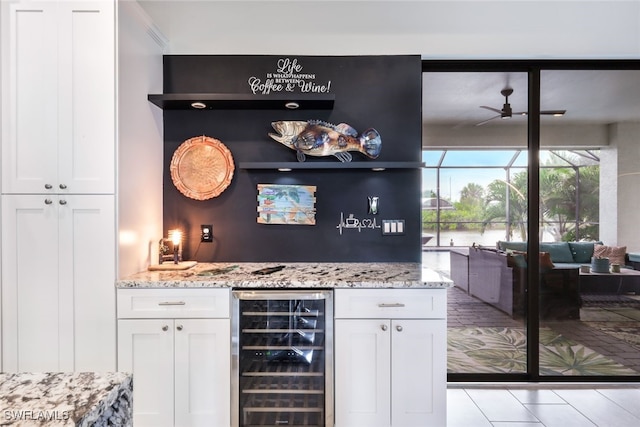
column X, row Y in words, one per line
column 449, row 98
column 597, row 97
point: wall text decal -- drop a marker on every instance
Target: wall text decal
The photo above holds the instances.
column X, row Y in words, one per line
column 288, row 77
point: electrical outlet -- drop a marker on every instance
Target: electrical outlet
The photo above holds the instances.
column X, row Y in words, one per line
column 206, row 233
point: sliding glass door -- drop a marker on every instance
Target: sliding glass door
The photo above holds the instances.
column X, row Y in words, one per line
column 474, row 199
column 589, row 290
column 529, row 205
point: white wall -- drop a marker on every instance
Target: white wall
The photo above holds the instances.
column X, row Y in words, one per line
column 434, row 29
column 140, row 150
column 515, row 136
column 619, row 183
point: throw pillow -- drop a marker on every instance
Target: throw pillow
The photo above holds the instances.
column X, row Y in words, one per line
column 616, row 254
column 545, row 262
column 517, row 258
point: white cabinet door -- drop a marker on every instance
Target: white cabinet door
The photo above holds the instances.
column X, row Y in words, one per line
column 86, row 279
column 61, row 115
column 202, row 372
column 419, row 377
column 86, row 97
column 145, row 348
column 29, row 153
column 362, row 373
column 58, row 278
column 31, row 297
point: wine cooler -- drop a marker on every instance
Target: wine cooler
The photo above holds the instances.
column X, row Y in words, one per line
column 282, row 358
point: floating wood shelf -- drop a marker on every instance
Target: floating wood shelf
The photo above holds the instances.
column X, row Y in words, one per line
column 330, row 165
column 229, row 101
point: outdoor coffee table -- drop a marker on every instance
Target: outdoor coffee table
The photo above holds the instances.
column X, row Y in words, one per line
column 628, row 280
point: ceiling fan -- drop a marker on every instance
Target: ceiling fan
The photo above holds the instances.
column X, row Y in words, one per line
column 507, row 112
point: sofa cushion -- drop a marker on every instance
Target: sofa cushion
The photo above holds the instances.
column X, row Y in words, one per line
column 616, row 254
column 582, row 251
column 513, row 246
column 559, row 251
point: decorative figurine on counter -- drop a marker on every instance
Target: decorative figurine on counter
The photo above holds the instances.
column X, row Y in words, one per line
column 318, row 138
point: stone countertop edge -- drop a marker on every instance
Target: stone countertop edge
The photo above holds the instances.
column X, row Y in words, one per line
column 71, row 398
column 292, row 275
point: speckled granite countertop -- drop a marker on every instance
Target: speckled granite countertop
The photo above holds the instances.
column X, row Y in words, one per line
column 65, row 399
column 292, row 275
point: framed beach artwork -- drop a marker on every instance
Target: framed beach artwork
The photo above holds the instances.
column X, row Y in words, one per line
column 286, row 204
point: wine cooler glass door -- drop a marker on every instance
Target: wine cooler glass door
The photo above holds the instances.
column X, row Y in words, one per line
column 282, row 358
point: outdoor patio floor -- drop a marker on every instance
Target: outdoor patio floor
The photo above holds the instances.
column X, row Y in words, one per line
column 465, row 311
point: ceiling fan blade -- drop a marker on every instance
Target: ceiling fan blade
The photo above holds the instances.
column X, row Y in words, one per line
column 495, row 110
column 554, row 112
column 545, row 112
column 488, row 120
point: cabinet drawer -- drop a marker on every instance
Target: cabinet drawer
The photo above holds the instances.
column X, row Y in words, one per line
column 391, row 303
column 173, row 303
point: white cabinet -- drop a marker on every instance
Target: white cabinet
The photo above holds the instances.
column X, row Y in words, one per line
column 58, row 185
column 58, row 264
column 390, row 357
column 60, row 125
column 177, row 344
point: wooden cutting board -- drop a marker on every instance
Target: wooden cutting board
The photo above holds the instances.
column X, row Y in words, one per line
column 170, row 265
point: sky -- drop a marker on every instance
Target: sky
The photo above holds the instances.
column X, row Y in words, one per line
column 452, row 181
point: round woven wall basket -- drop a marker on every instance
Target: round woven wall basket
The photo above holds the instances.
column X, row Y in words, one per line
column 202, row 168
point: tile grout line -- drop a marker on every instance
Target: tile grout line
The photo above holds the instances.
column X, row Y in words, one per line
column 476, row 405
column 617, row 404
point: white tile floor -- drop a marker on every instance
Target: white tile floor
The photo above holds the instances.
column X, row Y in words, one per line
column 554, row 405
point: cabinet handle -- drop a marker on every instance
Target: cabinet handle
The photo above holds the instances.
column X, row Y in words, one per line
column 387, row 305
column 172, row 303
column 399, row 328
column 48, row 201
column 48, row 186
column 383, row 327
column 165, row 328
column 63, row 202
column 179, row 327
column 63, row 186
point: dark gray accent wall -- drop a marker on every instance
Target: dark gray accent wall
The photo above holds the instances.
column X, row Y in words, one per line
column 383, row 92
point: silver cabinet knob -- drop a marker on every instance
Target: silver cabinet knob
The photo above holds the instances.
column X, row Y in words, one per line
column 48, row 186
column 63, row 186
column 165, row 328
column 48, row 201
column 383, row 327
column 63, row 202
column 399, row 328
column 179, row 327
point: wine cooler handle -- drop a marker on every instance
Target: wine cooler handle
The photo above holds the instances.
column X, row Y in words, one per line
column 399, row 328
column 383, row 327
column 386, row 305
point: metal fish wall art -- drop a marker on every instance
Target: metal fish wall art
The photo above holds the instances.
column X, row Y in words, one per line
column 319, row 138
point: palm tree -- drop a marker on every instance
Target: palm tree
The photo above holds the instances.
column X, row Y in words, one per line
column 506, row 201
column 472, row 194
column 565, row 208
